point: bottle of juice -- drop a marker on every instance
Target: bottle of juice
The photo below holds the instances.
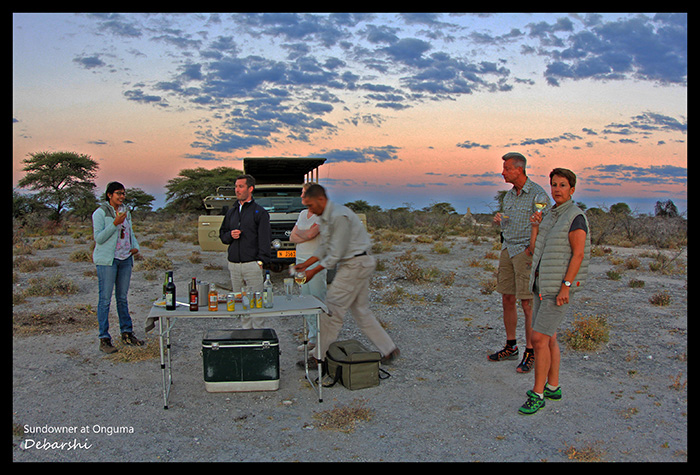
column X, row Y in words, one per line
column 213, row 298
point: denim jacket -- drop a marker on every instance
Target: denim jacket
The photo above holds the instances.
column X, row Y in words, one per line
column 106, row 234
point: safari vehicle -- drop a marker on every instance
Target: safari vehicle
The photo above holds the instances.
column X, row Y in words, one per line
column 278, row 185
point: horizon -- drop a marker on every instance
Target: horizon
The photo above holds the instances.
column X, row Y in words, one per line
column 408, row 108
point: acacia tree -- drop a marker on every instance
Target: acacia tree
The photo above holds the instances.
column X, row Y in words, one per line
column 58, row 177
column 187, row 190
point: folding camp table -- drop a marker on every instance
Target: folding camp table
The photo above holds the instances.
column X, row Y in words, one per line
column 298, row 305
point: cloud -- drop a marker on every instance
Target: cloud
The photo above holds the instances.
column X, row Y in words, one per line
column 294, row 77
column 641, row 47
column 469, row 144
column 652, row 175
column 89, row 62
column 369, row 154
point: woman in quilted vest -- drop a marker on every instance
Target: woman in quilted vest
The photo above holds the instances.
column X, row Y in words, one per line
column 559, row 268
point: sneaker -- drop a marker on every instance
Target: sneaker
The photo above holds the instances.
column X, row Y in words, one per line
column 311, row 345
column 130, row 339
column 555, row 395
column 106, row 346
column 312, row 363
column 527, row 363
column 532, row 405
column 507, row 353
column 395, row 353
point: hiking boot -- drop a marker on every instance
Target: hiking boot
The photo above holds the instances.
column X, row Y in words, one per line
column 555, row 395
column 507, row 353
column 106, row 346
column 527, row 363
column 532, row 405
column 130, row 339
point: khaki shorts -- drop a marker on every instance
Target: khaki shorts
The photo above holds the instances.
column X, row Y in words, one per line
column 514, row 275
column 547, row 316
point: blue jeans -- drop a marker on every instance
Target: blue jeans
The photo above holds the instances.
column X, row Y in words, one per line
column 117, row 276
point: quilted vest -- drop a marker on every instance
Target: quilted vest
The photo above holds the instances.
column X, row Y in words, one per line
column 553, row 250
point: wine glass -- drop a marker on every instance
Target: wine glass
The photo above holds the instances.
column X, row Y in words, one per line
column 300, row 279
column 540, row 203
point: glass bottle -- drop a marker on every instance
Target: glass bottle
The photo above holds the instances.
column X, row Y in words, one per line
column 213, row 298
column 267, row 291
column 194, row 296
column 170, row 302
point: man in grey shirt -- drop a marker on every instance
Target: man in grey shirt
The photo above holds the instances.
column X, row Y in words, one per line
column 345, row 245
column 516, row 256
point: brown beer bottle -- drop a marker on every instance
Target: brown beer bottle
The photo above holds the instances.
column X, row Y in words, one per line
column 194, row 296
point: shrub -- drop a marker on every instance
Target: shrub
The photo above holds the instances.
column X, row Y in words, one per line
column 588, row 333
column 661, row 299
column 636, row 284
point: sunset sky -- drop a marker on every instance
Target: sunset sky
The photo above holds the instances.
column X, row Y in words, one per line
column 409, row 109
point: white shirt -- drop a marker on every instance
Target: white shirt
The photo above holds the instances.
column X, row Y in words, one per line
column 306, row 249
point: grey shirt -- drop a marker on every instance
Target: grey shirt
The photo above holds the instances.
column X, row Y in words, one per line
column 343, row 236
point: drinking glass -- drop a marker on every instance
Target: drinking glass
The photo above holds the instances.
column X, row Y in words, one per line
column 540, row 203
column 300, row 279
column 288, row 287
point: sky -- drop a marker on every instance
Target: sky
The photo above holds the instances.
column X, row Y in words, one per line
column 408, row 109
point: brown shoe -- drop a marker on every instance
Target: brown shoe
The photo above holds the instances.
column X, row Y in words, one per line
column 106, row 346
column 130, row 339
column 311, row 362
column 391, row 356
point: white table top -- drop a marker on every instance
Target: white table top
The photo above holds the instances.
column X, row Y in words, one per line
column 296, row 305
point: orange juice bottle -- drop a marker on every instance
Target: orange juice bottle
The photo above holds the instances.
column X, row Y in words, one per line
column 213, row 299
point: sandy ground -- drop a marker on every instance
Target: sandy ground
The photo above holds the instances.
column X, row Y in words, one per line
column 444, row 402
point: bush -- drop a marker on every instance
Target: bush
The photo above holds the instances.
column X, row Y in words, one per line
column 588, row 333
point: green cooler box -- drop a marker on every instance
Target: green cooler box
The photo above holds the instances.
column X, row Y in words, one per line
column 241, row 360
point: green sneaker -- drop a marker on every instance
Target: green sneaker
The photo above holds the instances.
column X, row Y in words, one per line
column 532, row 405
column 549, row 394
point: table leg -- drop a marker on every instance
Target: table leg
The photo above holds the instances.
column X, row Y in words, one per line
column 319, row 381
column 165, row 361
column 319, row 366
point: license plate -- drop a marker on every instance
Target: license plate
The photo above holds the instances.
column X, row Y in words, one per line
column 286, row 254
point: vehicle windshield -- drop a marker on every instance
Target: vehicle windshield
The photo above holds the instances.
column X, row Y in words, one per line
column 280, row 202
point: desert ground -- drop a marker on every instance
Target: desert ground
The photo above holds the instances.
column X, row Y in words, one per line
column 624, row 401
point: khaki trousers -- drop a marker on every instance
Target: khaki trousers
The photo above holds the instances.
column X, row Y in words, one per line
column 248, row 276
column 350, row 291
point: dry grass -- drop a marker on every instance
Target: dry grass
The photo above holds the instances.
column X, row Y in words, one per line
column 67, row 319
column 588, row 333
column 588, row 453
column 344, row 418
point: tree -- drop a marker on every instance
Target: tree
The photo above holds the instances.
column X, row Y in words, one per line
column 361, row 206
column 138, row 200
column 191, row 186
column 440, row 208
column 83, row 205
column 666, row 208
column 59, row 176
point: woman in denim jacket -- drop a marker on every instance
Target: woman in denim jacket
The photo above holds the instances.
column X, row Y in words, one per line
column 115, row 246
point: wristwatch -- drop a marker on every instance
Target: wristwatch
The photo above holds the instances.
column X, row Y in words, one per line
column 566, row 282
